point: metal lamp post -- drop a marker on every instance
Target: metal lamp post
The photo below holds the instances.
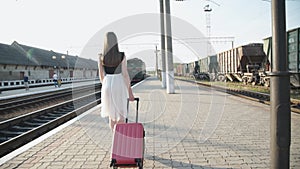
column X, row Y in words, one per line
column 156, row 60
column 55, row 67
column 63, row 57
column 67, row 61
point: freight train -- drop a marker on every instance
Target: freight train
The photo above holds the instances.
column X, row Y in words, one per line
column 245, row 63
column 249, row 63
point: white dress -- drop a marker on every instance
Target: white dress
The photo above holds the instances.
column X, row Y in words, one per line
column 114, row 94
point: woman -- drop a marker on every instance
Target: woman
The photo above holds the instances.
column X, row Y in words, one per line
column 115, row 81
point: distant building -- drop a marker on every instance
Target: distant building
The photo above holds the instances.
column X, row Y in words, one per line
column 17, row 59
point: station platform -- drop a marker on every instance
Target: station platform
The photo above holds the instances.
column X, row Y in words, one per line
column 197, row 127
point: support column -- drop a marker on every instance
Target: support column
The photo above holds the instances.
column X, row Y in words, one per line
column 280, row 91
column 169, row 50
column 163, row 48
column 156, row 61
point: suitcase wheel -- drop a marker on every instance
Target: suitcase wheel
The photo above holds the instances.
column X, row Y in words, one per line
column 112, row 163
column 139, row 163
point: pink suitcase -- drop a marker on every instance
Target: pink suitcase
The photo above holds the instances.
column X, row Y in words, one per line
column 128, row 143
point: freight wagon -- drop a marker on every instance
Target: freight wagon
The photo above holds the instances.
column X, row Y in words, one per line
column 250, row 63
column 293, row 54
column 245, row 64
column 210, row 66
column 180, row 69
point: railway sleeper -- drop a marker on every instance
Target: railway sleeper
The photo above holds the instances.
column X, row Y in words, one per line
column 60, row 111
column 32, row 124
column 9, row 133
column 68, row 109
column 22, row 128
column 2, row 139
column 38, row 120
column 55, row 115
column 48, row 117
column 58, row 114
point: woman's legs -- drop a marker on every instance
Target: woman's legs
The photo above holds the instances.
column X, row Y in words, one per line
column 112, row 123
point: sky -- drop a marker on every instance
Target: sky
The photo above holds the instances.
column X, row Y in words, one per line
column 79, row 26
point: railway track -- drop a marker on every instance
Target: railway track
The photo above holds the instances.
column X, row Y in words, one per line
column 19, row 130
column 16, row 106
column 251, row 95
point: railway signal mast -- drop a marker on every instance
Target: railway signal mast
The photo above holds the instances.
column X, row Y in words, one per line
column 167, row 50
column 207, row 11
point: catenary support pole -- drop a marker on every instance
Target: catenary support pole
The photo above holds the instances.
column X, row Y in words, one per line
column 163, row 56
column 280, row 91
column 169, row 50
column 156, row 61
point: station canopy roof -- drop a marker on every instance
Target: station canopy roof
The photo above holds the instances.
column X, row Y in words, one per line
column 18, row 54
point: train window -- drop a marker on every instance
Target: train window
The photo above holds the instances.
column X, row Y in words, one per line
column 11, row 83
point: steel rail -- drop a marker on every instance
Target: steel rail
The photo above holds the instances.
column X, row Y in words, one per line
column 32, row 125
column 36, row 96
column 23, row 129
column 250, row 95
column 21, row 103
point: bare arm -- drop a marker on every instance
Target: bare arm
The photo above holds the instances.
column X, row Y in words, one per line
column 101, row 70
column 127, row 79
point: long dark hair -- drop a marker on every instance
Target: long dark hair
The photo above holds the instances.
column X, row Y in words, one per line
column 111, row 55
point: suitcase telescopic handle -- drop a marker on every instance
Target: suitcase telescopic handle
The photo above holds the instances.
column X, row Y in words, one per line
column 137, row 109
